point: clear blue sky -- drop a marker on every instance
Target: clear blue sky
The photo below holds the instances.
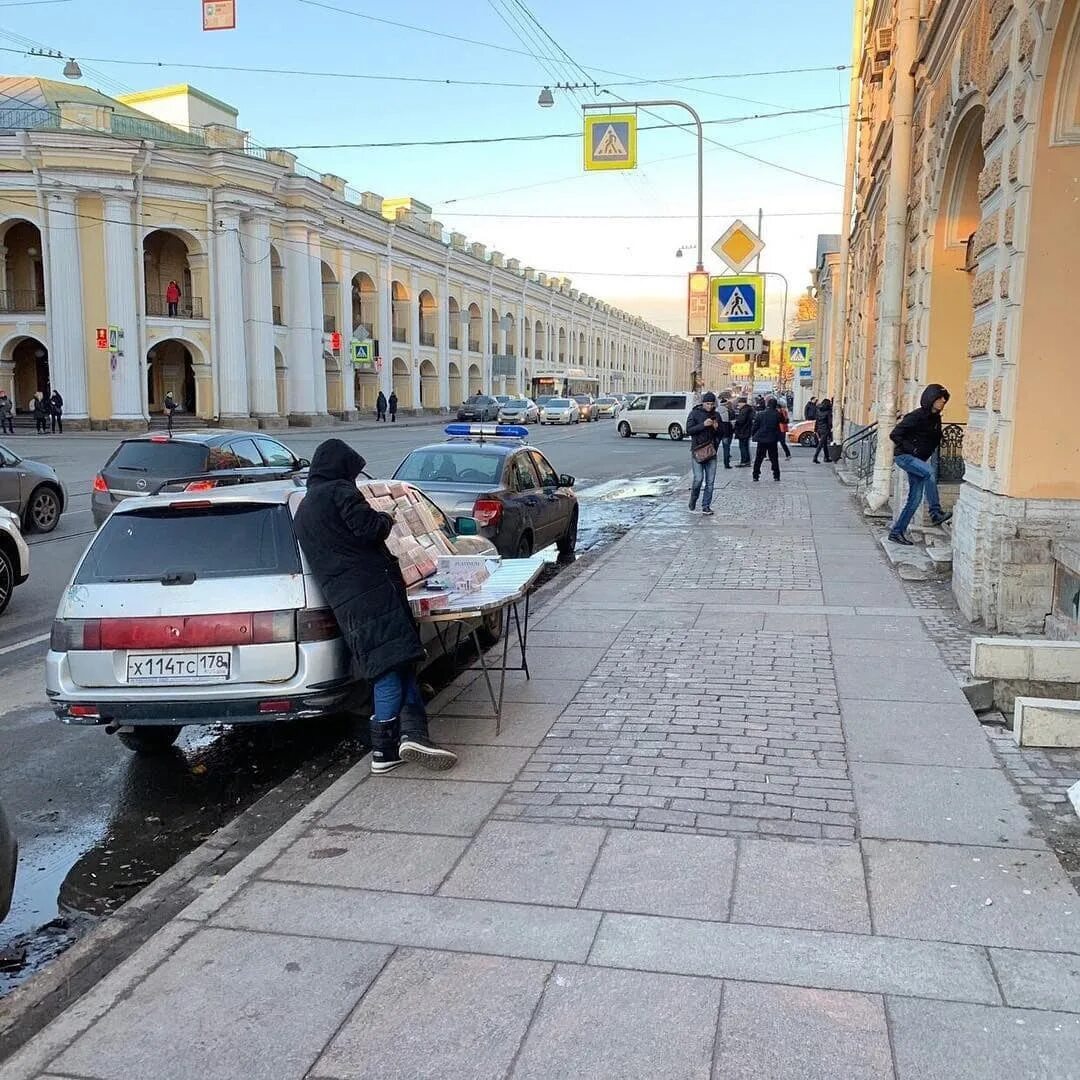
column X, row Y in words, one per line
column 602, row 255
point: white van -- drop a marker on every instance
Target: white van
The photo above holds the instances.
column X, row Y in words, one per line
column 657, row 414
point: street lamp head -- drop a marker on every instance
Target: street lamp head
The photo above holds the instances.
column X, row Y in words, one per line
column 678, row 253
column 546, row 98
column 72, row 69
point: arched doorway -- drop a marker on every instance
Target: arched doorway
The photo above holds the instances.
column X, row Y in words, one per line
column 402, row 383
column 281, row 380
column 166, row 259
column 429, row 385
column 954, row 262
column 170, row 368
column 365, row 304
column 476, row 380
column 428, row 319
column 22, row 276
column 457, row 393
column 29, row 361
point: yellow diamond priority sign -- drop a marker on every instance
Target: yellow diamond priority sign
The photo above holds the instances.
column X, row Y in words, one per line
column 738, row 246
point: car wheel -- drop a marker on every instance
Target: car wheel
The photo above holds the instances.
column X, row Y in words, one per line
column 807, row 438
column 43, row 510
column 525, row 546
column 568, row 543
column 150, row 740
column 7, row 579
column 490, row 631
column 675, row 432
column 624, row 429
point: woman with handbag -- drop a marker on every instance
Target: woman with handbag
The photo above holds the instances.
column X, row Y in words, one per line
column 703, row 427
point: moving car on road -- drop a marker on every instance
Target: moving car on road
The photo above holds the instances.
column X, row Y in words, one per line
column 803, row 433
column 192, row 461
column 14, row 557
column 200, row 608
column 657, row 414
column 519, row 411
column 32, row 491
column 521, row 503
column 479, row 407
column 607, row 406
column 585, row 407
column 560, row 411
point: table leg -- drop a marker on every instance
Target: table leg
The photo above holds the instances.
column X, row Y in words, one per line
column 523, row 636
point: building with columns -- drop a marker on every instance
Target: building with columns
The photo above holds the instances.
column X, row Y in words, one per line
column 959, row 268
column 108, row 207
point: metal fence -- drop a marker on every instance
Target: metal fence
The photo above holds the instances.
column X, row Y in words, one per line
column 189, row 307
column 18, row 300
column 950, row 458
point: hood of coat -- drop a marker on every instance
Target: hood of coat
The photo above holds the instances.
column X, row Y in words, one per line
column 931, row 394
column 333, row 461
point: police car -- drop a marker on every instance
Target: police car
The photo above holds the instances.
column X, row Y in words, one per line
column 489, row 472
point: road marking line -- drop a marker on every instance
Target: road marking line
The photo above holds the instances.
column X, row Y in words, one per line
column 25, row 644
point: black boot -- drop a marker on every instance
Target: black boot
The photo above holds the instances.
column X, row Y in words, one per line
column 384, row 746
column 415, row 744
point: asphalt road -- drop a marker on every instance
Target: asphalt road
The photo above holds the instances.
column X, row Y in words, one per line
column 95, row 822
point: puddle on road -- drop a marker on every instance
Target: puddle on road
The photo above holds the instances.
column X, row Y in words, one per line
column 164, row 807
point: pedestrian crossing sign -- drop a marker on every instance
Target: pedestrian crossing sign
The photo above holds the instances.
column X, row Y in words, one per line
column 799, row 355
column 361, row 355
column 610, row 142
column 737, row 304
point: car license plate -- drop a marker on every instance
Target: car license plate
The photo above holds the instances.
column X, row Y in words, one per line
column 205, row 666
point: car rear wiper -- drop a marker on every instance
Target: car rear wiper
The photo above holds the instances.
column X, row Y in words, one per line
column 184, row 577
column 132, row 468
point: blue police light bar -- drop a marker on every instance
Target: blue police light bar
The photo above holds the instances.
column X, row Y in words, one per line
column 491, row 431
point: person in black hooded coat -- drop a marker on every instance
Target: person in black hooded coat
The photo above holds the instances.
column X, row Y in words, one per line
column 344, row 541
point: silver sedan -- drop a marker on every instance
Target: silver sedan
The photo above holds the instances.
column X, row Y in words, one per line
column 519, row 411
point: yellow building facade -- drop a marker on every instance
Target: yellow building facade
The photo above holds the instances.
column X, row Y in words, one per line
column 959, row 268
column 239, row 280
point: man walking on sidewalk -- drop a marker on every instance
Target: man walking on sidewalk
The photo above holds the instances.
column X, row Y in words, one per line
column 703, row 427
column 744, row 423
column 726, row 415
column 344, row 540
column 916, row 438
column 767, row 435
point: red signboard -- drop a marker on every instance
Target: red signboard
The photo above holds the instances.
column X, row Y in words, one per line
column 219, row 15
column 335, row 341
column 103, row 337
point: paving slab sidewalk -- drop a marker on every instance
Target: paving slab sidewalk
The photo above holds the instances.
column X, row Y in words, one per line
column 739, row 824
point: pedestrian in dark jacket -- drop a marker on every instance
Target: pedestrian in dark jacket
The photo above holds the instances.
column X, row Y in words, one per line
column 344, row 541
column 7, row 414
column 823, row 429
column 170, row 405
column 380, row 407
column 703, row 427
column 41, row 414
column 725, row 414
column 810, row 411
column 917, row 438
column 56, row 411
column 393, row 406
column 743, row 429
column 767, row 435
column 785, row 423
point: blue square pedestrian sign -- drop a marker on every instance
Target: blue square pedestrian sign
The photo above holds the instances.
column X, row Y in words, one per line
column 610, row 141
column 737, row 304
column 799, row 356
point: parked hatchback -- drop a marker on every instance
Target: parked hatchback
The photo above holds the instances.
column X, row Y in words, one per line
column 31, row 490
column 201, row 609
column 197, row 461
column 479, row 407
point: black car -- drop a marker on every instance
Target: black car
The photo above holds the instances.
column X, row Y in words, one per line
column 149, row 464
column 520, row 503
column 479, row 407
column 9, row 856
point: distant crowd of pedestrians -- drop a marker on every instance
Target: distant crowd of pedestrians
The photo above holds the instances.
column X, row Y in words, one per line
column 48, row 413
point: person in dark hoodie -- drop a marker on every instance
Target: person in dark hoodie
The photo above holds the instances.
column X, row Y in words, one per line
column 344, row 541
column 380, row 407
column 823, row 429
column 743, row 428
column 916, row 438
column 703, row 427
column 767, row 435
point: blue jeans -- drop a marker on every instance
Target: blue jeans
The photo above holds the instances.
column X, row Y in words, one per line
column 704, row 473
column 393, row 690
column 921, row 478
column 726, row 444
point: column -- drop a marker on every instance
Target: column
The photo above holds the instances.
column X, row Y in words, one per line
column 259, row 317
column 67, row 343
column 229, row 342
column 386, row 322
column 121, row 292
column 519, row 364
column 344, row 321
column 317, row 343
column 487, row 346
column 414, row 336
column 444, row 346
column 298, row 308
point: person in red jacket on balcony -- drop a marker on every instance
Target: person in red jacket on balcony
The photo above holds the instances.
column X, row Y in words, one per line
column 172, row 298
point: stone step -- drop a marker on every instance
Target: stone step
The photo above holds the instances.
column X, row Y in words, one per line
column 911, row 563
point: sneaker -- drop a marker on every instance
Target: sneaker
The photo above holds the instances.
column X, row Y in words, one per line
column 422, row 751
column 692, row 508
column 383, row 761
column 941, row 518
column 756, row 479
column 900, row 538
column 707, row 513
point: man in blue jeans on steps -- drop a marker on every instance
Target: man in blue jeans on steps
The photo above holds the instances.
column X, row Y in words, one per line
column 917, row 437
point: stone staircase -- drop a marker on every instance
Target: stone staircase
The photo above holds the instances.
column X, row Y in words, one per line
column 930, row 558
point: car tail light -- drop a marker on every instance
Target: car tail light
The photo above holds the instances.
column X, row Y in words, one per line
column 275, row 707
column 75, row 635
column 273, row 627
column 84, row 712
column 100, row 485
column 488, row 512
column 201, row 485
column 194, row 504
column 316, row 624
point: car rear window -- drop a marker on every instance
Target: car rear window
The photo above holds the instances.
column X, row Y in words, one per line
column 159, row 458
column 668, row 401
column 451, row 467
column 219, row 541
column 558, row 403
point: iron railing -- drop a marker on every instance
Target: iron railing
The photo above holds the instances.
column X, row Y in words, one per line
column 278, row 320
column 399, row 334
column 21, row 300
column 189, row 307
column 858, row 453
column 427, row 337
column 950, row 456
column 455, row 341
column 474, row 344
column 329, row 324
